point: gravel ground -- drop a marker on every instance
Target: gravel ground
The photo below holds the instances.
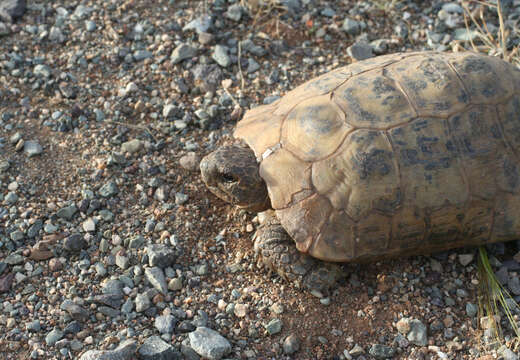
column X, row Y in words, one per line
column 110, row 245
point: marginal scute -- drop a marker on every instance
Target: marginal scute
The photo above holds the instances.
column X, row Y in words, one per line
column 361, row 177
column 315, row 118
column 304, row 220
column 372, row 236
column 335, row 241
column 373, row 100
column 285, row 175
column 477, row 221
column 432, row 86
column 506, row 225
column 428, row 162
column 488, row 80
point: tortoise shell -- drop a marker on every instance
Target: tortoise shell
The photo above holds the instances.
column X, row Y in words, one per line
column 399, row 154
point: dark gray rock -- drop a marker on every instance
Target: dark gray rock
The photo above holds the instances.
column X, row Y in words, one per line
column 76, row 312
column 74, row 243
column 160, row 255
column 165, row 324
column 11, row 10
column 381, row 351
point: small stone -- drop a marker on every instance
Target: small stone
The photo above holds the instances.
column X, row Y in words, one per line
column 183, row 52
column 403, row 326
column 220, row 55
column 131, row 146
column 33, row 326
column 74, row 243
column 418, row 333
column 108, row 190
column 240, row 310
column 463, row 34
column 75, row 311
column 156, row 277
column 89, row 225
column 209, row 344
column 155, row 348
column 41, row 70
column 201, row 24
column 234, row 12
column 136, row 242
column 351, row 26
column 507, row 354
column 32, row 148
column 274, row 326
column 165, row 324
column 360, row 51
column 466, row 259
column 67, row 212
column 175, row 284
column 160, row 255
column 356, row 350
column 142, row 303
column 381, row 351
column 291, row 344
column 53, row 336
column 125, row 351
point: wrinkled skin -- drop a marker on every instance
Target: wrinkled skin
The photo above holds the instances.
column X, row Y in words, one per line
column 231, row 173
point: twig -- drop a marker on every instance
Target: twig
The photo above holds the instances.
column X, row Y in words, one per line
column 131, row 126
column 232, row 97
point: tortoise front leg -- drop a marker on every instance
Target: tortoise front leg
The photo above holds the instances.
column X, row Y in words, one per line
column 278, row 252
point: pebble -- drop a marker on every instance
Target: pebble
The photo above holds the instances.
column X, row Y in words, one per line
column 132, row 146
column 291, row 344
column 274, row 326
column 125, row 351
column 352, row 27
column 142, row 303
column 220, row 55
column 418, row 333
column 360, row 51
column 209, row 343
column 165, row 324
column 156, row 277
column 381, row 351
column 155, row 348
column 466, row 259
column 53, row 336
column 183, row 52
column 32, row 148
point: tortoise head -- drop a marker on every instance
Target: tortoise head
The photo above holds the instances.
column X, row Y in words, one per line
column 231, row 173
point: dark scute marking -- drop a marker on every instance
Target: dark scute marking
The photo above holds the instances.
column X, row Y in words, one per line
column 415, row 85
column 311, row 123
column 409, row 156
column 380, row 86
column 441, row 106
column 437, row 164
column 425, row 144
column 463, row 98
column 511, row 173
column 419, row 125
column 372, row 163
column 476, row 64
column 495, row 131
column 489, row 92
column 389, row 205
column 356, row 107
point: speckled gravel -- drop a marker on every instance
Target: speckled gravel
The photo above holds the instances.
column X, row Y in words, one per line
column 110, row 246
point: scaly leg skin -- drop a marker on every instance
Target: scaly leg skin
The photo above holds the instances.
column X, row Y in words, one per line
column 278, row 253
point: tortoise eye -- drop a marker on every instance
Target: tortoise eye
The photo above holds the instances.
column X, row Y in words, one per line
column 227, row 178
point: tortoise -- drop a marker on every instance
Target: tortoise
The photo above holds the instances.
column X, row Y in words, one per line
column 402, row 154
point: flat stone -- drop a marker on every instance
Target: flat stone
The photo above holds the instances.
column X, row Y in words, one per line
column 67, row 212
column 201, row 24
column 466, row 259
column 360, row 51
column 109, row 189
column 183, row 52
column 32, row 148
column 76, row 312
column 274, row 326
column 11, row 10
column 142, row 302
column 381, row 351
column 165, row 324
column 53, row 336
column 220, row 55
column 156, row 277
column 190, row 161
column 209, row 343
column 125, row 351
column 155, row 348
